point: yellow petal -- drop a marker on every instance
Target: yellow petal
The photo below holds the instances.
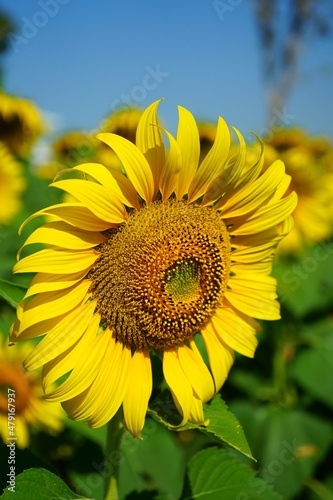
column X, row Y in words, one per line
column 71, row 406
column 220, row 355
column 219, row 186
column 91, row 350
column 255, row 306
column 196, row 413
column 63, row 235
column 75, row 214
column 239, row 164
column 126, row 188
column 62, row 336
column 252, row 283
column 45, row 282
column 281, row 189
column 134, row 162
column 212, row 164
column 107, row 178
column 110, row 387
column 260, row 240
column 234, row 176
column 263, row 267
column 251, row 174
column 140, row 385
column 59, row 366
column 52, row 304
column 57, row 262
column 171, row 170
column 196, row 371
column 248, row 256
column 180, row 387
column 96, row 198
column 254, row 194
column 102, row 400
column 266, row 217
column 233, row 330
column 257, row 247
column 189, row 143
column 35, row 330
column 149, row 141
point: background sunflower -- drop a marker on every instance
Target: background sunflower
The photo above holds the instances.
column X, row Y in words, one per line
column 31, row 411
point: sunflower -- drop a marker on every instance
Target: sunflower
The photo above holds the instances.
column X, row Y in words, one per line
column 143, row 264
column 21, row 124
column 308, row 161
column 66, row 151
column 21, row 391
column 122, row 122
column 12, row 184
column 207, row 134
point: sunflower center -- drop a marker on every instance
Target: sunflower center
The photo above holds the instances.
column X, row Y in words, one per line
column 12, row 377
column 160, row 276
column 182, row 282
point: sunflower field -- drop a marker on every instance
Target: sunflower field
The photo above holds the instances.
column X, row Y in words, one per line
column 166, row 298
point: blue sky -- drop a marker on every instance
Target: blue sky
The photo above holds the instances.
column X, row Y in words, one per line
column 78, row 59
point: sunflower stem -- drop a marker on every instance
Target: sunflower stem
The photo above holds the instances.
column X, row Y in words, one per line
column 284, row 351
column 115, row 431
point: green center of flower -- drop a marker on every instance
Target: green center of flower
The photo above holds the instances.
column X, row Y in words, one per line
column 161, row 275
column 183, row 281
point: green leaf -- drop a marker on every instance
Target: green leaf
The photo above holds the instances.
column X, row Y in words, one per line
column 223, row 425
column 12, row 293
column 288, row 444
column 304, row 284
column 39, row 484
column 213, row 474
column 313, row 367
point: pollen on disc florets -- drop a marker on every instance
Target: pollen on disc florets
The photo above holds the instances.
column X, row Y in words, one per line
column 161, row 275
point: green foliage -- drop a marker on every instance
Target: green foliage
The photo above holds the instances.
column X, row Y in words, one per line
column 305, row 285
column 288, row 443
column 38, row 484
column 213, row 474
column 12, row 293
column 316, row 359
column 221, row 423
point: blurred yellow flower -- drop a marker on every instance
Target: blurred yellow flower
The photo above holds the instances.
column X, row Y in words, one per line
column 122, row 122
column 74, row 147
column 309, row 162
column 68, row 150
column 146, row 261
column 207, row 134
column 21, row 124
column 23, row 392
column 12, row 185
